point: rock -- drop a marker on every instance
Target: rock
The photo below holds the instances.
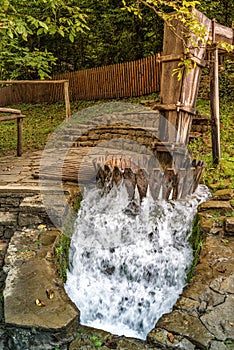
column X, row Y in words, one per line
column 27, row 219
column 217, row 345
column 229, row 226
column 206, row 224
column 8, row 219
column 187, row 304
column 47, row 238
column 223, row 285
column 159, row 337
column 187, row 326
column 221, row 206
column 224, row 195
column 220, row 320
column 29, row 277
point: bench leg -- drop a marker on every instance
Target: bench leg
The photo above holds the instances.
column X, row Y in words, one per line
column 19, row 136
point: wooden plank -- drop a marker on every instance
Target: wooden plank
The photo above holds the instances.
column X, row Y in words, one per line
column 11, row 117
column 171, row 57
column 223, row 33
column 10, row 110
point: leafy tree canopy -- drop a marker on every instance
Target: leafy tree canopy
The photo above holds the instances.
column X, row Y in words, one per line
column 22, row 22
column 40, row 37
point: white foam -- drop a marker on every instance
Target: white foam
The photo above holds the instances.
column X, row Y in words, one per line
column 127, row 270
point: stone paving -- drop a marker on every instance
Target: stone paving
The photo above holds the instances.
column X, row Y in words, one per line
column 203, row 317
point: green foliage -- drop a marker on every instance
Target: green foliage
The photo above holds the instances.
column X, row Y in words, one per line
column 23, row 23
column 62, row 253
column 115, row 36
column 222, row 175
column 196, row 241
column 41, row 120
column 226, row 80
column 96, row 341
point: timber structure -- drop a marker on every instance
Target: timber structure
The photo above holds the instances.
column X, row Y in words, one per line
column 166, row 170
column 177, row 109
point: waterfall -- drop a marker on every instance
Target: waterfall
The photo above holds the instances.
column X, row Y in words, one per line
column 128, row 261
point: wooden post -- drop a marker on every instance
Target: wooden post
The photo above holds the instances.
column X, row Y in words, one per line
column 19, row 136
column 67, row 101
column 214, row 101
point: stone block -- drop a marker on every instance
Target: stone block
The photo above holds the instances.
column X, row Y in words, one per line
column 27, row 219
column 10, row 201
column 224, row 195
column 220, row 206
column 7, row 218
column 229, row 226
column 9, row 231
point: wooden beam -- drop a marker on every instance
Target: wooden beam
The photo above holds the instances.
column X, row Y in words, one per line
column 10, row 110
column 214, row 102
column 11, row 117
column 6, row 82
column 223, row 33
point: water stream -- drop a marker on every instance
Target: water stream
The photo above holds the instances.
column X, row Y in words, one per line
column 128, row 262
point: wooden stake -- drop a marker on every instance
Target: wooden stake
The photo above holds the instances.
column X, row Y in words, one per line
column 214, row 102
column 67, row 101
column 19, row 138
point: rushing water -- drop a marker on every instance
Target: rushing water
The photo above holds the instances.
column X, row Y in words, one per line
column 128, row 263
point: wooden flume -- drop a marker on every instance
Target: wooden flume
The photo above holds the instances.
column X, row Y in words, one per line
column 165, row 184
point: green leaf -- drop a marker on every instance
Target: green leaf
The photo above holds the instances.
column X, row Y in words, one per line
column 71, row 37
column 40, row 31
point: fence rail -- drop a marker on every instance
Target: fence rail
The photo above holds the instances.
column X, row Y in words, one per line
column 126, row 79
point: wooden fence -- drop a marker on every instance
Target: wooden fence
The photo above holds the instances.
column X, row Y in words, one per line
column 126, row 79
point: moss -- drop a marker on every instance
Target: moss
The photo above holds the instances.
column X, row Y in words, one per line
column 62, row 253
column 196, row 241
column 63, row 245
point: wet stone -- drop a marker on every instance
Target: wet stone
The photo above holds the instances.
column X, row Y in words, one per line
column 187, row 326
column 220, row 320
column 165, row 340
column 187, row 304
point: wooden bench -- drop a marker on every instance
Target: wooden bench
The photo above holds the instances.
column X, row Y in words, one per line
column 14, row 114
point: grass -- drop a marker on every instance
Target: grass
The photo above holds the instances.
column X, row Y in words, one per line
column 222, row 175
column 41, row 120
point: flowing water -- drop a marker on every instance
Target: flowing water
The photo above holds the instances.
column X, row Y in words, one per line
column 128, row 262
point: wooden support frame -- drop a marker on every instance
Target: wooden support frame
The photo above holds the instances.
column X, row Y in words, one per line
column 64, row 82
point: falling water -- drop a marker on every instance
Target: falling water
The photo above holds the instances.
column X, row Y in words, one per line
column 128, row 262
